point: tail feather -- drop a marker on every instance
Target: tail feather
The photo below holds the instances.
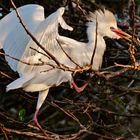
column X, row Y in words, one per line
column 19, row 83
column 41, row 98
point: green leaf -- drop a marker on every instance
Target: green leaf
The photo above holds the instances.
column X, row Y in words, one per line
column 138, row 2
column 16, row 138
column 22, row 114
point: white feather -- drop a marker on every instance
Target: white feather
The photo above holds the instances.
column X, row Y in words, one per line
column 17, row 43
column 46, row 34
column 35, row 78
column 20, row 82
column 41, row 98
column 13, row 36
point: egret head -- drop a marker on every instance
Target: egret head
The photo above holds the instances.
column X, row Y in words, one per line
column 107, row 24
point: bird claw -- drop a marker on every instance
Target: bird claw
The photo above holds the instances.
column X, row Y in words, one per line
column 78, row 89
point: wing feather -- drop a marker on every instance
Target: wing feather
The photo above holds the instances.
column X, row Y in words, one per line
column 46, row 34
column 13, row 37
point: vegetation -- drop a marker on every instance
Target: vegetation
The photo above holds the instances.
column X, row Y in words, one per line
column 107, row 109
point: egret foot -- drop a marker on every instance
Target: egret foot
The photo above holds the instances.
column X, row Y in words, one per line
column 79, row 89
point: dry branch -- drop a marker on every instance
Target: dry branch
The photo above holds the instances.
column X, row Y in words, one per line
column 95, row 46
column 68, row 55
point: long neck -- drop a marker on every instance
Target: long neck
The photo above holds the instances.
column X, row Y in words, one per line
column 100, row 46
column 91, row 32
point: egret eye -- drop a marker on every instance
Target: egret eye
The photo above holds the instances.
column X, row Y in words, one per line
column 112, row 28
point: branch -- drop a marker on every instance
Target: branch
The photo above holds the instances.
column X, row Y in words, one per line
column 131, row 47
column 93, row 54
column 67, row 54
column 16, row 59
column 40, row 52
column 69, row 114
column 30, row 134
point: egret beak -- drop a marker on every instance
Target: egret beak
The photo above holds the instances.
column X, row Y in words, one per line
column 122, row 34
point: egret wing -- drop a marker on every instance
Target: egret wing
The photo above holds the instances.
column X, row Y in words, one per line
column 46, row 34
column 13, row 38
column 78, row 51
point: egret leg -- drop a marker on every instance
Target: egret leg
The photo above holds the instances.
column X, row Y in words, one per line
column 36, row 120
column 79, row 89
column 41, row 98
column 37, row 123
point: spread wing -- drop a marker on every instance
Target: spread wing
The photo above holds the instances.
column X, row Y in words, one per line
column 46, row 34
column 13, row 38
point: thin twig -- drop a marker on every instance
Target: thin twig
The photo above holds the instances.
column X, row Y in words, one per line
column 67, row 54
column 131, row 47
column 2, row 129
column 7, row 76
column 40, row 52
column 95, row 45
column 129, row 67
column 69, row 114
column 16, row 59
column 30, row 134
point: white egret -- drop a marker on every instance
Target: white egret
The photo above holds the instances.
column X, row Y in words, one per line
column 17, row 43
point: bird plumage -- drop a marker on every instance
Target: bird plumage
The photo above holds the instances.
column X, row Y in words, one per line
column 13, row 38
column 35, row 78
column 82, row 52
column 41, row 78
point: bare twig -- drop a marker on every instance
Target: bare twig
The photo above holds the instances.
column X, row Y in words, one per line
column 4, row 74
column 131, row 47
column 4, row 132
column 30, row 134
column 95, row 45
column 69, row 114
column 40, row 52
column 81, row 9
column 115, row 74
column 16, row 59
column 130, row 67
column 68, row 55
